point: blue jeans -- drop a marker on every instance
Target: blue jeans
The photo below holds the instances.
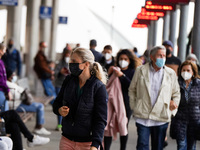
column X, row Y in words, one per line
column 34, row 107
column 157, row 133
column 59, row 117
column 3, row 102
column 189, row 143
column 49, row 89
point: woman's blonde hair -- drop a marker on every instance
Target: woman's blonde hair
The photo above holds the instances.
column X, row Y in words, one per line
column 2, row 46
column 95, row 68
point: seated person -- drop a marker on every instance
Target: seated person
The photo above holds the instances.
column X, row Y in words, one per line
column 33, row 107
column 15, row 126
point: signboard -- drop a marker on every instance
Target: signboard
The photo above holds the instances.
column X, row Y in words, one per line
column 45, row 12
column 152, row 13
column 63, row 20
column 164, row 2
column 9, row 2
column 150, row 6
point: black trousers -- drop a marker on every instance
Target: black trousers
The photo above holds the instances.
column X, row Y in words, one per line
column 14, row 126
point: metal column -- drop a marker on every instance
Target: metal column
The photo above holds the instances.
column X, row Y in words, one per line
column 54, row 25
column 155, row 32
column 45, row 27
column 150, row 36
column 14, row 23
column 173, row 22
column 166, row 23
column 196, row 30
column 32, row 34
column 182, row 40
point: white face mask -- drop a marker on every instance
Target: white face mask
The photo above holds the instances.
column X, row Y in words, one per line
column 67, row 59
column 123, row 63
column 107, row 56
column 14, row 79
column 186, row 75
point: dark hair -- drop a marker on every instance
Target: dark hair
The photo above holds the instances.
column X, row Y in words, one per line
column 135, row 49
column 129, row 54
column 194, row 68
column 65, row 51
column 40, row 44
column 108, row 47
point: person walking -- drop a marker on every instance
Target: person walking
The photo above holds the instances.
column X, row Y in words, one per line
column 127, row 62
column 12, row 58
column 171, row 60
column 185, row 125
column 98, row 56
column 82, row 101
column 108, row 60
column 61, row 71
column 154, row 97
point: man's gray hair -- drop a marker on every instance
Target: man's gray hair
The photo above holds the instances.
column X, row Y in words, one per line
column 154, row 50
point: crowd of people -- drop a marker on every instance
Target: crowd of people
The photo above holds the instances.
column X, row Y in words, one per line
column 96, row 94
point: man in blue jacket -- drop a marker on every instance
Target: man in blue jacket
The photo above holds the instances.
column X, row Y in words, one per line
column 12, row 58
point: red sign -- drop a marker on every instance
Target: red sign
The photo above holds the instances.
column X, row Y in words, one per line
column 169, row 2
column 140, row 21
column 151, row 7
column 139, row 25
column 151, row 13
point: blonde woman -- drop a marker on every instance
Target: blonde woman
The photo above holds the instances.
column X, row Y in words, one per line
column 82, row 101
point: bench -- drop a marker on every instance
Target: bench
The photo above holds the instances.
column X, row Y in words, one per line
column 45, row 100
column 25, row 116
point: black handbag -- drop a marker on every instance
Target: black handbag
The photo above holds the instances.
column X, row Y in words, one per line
column 26, row 97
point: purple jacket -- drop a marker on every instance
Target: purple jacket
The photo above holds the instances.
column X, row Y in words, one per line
column 3, row 78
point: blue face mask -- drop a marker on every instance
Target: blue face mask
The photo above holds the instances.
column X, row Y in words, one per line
column 160, row 62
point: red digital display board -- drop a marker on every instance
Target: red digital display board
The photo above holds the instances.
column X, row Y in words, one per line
column 159, row 8
column 151, row 13
column 139, row 25
column 169, row 2
column 141, row 21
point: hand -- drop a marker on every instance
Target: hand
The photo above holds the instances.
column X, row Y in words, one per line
column 110, row 70
column 10, row 97
column 64, row 71
column 52, row 72
column 118, row 72
column 172, row 105
column 63, row 111
column 93, row 148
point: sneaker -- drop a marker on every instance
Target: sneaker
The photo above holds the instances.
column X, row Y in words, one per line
column 38, row 140
column 42, row 131
column 59, row 127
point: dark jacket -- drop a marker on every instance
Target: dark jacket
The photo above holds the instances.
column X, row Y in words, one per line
column 88, row 114
column 12, row 60
column 98, row 56
column 187, row 118
column 59, row 78
column 125, row 83
column 105, row 65
column 41, row 66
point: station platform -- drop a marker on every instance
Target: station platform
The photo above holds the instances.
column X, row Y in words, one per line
column 51, row 122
